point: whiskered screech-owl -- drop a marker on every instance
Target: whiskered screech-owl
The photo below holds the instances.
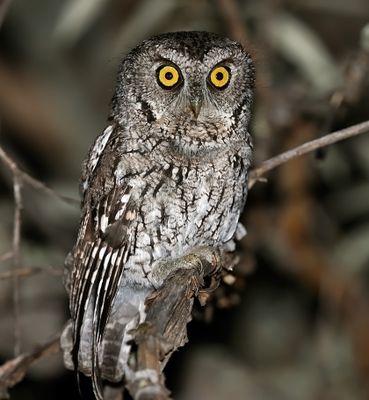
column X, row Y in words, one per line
column 168, row 174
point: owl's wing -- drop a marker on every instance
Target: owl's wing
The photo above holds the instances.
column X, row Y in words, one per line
column 98, row 260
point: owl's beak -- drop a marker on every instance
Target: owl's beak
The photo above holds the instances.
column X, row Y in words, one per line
column 195, row 105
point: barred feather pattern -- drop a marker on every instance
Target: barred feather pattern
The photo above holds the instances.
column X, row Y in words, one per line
column 156, row 184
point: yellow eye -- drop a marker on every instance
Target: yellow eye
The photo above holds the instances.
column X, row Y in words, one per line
column 168, row 76
column 219, row 77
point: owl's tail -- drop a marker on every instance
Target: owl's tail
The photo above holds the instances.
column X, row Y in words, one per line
column 127, row 312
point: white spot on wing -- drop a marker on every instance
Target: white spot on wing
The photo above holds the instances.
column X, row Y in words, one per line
column 114, row 257
column 93, row 277
column 103, row 223
column 119, row 214
column 94, row 251
column 102, row 252
column 125, row 198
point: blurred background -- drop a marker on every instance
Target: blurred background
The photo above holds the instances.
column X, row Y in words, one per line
column 295, row 324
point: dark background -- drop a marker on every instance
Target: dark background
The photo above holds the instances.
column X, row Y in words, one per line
column 298, row 327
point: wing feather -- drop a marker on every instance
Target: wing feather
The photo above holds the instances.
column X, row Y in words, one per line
column 99, row 256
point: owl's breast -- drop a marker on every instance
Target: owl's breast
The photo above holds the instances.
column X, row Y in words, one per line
column 217, row 192
column 199, row 204
column 183, row 205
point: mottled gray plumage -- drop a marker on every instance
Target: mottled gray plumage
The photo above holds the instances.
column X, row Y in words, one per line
column 167, row 175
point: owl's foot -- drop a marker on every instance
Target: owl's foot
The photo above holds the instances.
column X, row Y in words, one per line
column 205, row 259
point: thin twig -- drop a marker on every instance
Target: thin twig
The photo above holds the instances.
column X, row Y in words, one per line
column 35, row 183
column 29, row 271
column 13, row 371
column 6, row 256
column 19, row 273
column 305, row 148
column 4, row 6
column 232, row 16
column 17, row 187
column 20, row 177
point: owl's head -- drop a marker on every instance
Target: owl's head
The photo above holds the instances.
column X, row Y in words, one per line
column 194, row 78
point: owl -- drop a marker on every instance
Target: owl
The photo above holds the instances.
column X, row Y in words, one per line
column 167, row 175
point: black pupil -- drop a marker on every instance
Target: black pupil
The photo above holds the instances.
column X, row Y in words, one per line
column 168, row 76
column 219, row 76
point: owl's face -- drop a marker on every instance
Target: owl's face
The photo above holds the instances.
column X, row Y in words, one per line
column 187, row 79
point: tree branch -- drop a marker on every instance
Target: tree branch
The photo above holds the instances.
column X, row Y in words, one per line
column 35, row 183
column 4, row 5
column 19, row 177
column 30, row 271
column 13, row 371
column 232, row 16
column 168, row 311
column 305, row 148
column 6, row 256
column 17, row 185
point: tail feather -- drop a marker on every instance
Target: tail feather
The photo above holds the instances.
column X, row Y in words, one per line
column 106, row 359
column 127, row 313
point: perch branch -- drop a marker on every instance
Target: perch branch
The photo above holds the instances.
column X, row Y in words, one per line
column 305, row 148
column 168, row 310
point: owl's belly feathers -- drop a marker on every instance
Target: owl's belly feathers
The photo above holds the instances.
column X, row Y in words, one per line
column 180, row 209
